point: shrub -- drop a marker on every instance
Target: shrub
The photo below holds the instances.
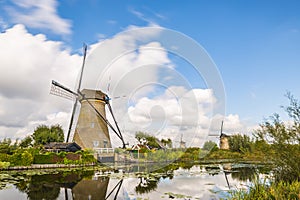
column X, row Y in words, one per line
column 4, row 157
column 46, row 159
column 4, row 165
column 21, row 159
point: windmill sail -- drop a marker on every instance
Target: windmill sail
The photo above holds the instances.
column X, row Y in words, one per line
column 61, row 91
column 78, row 89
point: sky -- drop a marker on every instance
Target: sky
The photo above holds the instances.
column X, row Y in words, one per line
column 184, row 66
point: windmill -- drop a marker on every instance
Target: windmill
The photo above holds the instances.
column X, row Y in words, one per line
column 92, row 126
column 182, row 144
column 224, row 143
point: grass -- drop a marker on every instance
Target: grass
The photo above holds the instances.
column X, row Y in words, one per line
column 281, row 191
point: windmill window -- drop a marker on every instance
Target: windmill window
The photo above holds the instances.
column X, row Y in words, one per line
column 95, row 143
column 105, row 143
column 92, row 125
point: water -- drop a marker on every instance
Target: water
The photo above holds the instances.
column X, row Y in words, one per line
column 176, row 181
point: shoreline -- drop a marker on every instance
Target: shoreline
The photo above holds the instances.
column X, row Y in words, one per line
column 47, row 166
column 61, row 166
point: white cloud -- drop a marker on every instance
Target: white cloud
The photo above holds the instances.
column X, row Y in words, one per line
column 28, row 63
column 179, row 112
column 133, row 62
column 39, row 14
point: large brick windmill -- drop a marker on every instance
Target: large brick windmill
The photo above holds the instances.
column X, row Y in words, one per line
column 92, row 126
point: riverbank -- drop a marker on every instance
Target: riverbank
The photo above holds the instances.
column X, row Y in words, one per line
column 47, row 166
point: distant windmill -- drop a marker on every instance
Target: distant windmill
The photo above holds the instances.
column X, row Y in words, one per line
column 224, row 143
column 182, row 144
column 92, row 126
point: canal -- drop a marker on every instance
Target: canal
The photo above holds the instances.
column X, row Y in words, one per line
column 143, row 181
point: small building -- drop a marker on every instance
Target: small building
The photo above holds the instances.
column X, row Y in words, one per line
column 139, row 148
column 224, row 141
column 62, row 146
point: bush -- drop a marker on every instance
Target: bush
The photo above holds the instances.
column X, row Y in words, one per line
column 21, row 159
column 223, row 154
column 47, row 159
column 4, row 165
column 285, row 142
column 4, row 157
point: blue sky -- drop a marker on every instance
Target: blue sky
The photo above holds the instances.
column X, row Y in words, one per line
column 254, row 44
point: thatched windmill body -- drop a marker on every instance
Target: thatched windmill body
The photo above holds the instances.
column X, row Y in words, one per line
column 91, row 131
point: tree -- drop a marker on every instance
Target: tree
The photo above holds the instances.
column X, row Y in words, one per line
column 240, row 143
column 6, row 146
column 209, row 145
column 167, row 142
column 151, row 141
column 26, row 142
column 284, row 140
column 44, row 135
column 58, row 132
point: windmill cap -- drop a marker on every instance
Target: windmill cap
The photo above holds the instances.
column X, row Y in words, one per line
column 93, row 94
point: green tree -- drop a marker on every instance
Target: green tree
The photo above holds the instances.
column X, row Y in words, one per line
column 240, row 143
column 44, row 135
column 6, row 146
column 284, row 140
column 151, row 141
column 58, row 133
column 26, row 142
column 167, row 142
column 209, row 145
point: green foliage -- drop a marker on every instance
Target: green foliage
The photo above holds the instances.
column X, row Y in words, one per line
column 4, row 165
column 240, row 143
column 58, row 133
column 43, row 134
column 6, row 146
column 167, row 142
column 23, row 154
column 45, row 159
column 209, row 146
column 223, row 154
column 81, row 157
column 26, row 142
column 164, row 155
column 21, row 159
column 87, row 156
column 151, row 141
column 284, row 140
column 280, row 190
column 191, row 154
column 4, row 157
column 62, row 154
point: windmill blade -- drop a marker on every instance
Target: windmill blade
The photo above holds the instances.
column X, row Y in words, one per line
column 221, row 128
column 227, row 180
column 118, row 187
column 118, row 97
column 120, row 134
column 82, row 67
column 108, row 85
column 71, row 120
column 78, row 90
column 61, row 91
